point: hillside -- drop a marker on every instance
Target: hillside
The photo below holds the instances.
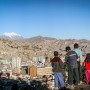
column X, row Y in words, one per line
column 38, row 46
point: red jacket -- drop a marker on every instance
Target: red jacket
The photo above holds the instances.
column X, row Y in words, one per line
column 87, row 65
column 57, row 64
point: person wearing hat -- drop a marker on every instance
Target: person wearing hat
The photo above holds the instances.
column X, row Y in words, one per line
column 57, row 66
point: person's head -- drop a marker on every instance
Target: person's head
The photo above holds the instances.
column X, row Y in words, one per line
column 68, row 49
column 88, row 57
column 76, row 45
column 55, row 53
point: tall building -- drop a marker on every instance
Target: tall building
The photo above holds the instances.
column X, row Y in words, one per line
column 16, row 62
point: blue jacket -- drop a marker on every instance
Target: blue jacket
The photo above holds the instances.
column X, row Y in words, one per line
column 71, row 58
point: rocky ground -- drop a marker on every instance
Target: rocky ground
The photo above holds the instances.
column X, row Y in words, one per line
column 82, row 87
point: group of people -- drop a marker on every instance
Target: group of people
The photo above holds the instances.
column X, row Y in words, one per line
column 73, row 59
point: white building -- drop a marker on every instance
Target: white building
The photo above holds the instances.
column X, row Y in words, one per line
column 39, row 59
column 16, row 62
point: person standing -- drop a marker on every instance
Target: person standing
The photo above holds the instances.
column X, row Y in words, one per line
column 79, row 60
column 87, row 68
column 57, row 66
column 71, row 60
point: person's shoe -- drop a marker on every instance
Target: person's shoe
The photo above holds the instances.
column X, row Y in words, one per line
column 70, row 86
column 81, row 82
column 56, row 88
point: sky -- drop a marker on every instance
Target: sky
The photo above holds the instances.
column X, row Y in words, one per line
column 61, row 19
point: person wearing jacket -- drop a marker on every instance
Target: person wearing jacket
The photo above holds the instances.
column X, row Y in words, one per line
column 71, row 60
column 57, row 66
column 79, row 61
column 87, row 68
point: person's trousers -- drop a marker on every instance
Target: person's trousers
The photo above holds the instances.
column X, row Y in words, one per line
column 87, row 75
column 79, row 71
column 73, row 75
column 58, row 78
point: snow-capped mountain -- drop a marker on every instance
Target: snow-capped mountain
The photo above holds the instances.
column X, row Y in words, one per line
column 11, row 36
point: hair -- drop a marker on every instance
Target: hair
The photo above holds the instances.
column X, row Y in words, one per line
column 76, row 45
column 55, row 53
column 68, row 48
column 87, row 57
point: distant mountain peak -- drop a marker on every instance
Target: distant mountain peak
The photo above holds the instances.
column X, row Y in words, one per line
column 39, row 39
column 11, row 34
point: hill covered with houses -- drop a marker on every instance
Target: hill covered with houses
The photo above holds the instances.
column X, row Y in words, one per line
column 28, row 48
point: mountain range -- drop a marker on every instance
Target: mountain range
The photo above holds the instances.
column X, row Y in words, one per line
column 15, row 36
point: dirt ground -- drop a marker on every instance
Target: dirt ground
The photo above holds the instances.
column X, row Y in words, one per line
column 82, row 87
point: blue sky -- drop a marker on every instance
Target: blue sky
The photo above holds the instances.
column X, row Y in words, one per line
column 62, row 19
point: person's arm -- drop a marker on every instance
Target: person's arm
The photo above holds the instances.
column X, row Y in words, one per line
column 61, row 64
column 81, row 59
column 66, row 58
column 77, row 56
column 84, row 64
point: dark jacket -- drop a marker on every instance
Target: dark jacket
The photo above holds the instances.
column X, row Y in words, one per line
column 57, row 64
column 71, row 58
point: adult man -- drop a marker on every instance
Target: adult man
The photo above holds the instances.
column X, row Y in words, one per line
column 79, row 60
column 71, row 60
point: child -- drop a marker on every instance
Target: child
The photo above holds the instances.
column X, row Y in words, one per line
column 87, row 68
column 57, row 69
